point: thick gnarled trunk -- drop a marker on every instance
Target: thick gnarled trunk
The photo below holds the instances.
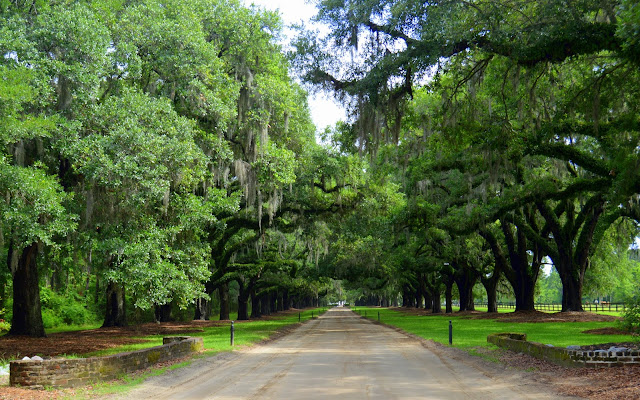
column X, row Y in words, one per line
column 203, row 310
column 436, row 307
column 27, row 314
column 163, row 313
column 265, row 304
column 243, row 308
column 572, row 293
column 223, row 292
column 572, row 277
column 448, row 295
column 115, row 313
column 465, row 278
column 255, row 306
column 243, row 300
column 492, row 298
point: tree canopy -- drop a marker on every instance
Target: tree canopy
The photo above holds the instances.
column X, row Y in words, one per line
column 162, row 156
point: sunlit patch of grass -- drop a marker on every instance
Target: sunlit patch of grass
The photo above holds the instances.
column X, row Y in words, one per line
column 148, row 341
column 71, row 328
column 473, row 332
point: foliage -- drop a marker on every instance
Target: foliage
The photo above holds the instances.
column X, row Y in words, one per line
column 492, row 121
column 549, row 288
column 631, row 318
column 164, row 148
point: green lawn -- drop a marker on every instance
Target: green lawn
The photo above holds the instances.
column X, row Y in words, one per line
column 473, row 332
column 217, row 338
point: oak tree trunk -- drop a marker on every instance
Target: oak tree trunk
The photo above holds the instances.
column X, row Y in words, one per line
column 255, row 306
column 524, row 290
column 571, row 292
column 115, row 313
column 223, row 292
column 490, row 285
column 162, row 313
column 436, row 307
column 265, row 301
column 286, row 301
column 465, row 279
column 280, row 301
column 274, row 303
column 448, row 296
column 27, row 314
column 243, row 308
column 203, row 310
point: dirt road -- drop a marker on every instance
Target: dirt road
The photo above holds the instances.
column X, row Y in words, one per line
column 342, row 356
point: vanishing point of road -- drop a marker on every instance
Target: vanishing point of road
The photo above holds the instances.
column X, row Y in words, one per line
column 337, row 356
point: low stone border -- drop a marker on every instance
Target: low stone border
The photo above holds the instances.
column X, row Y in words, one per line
column 64, row 372
column 568, row 357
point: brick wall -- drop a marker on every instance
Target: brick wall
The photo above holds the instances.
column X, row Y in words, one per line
column 572, row 358
column 61, row 372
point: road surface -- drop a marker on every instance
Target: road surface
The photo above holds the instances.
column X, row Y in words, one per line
column 337, row 356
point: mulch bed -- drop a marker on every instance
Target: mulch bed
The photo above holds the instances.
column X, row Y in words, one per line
column 621, row 383
column 82, row 342
column 520, row 316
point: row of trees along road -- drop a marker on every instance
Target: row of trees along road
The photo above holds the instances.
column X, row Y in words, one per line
column 511, row 128
column 157, row 152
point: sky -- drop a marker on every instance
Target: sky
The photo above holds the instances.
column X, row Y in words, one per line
column 324, row 110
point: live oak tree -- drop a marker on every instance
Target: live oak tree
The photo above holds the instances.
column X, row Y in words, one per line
column 34, row 211
column 139, row 161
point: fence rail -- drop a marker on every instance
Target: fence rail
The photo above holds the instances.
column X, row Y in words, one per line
column 614, row 307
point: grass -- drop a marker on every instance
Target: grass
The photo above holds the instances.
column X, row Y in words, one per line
column 71, row 328
column 473, row 332
column 217, row 338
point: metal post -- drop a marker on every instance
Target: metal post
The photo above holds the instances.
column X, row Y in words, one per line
column 311, row 314
column 233, row 331
column 298, row 317
column 378, row 316
column 450, row 333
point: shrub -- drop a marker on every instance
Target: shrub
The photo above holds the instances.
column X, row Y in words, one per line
column 50, row 319
column 4, row 326
column 74, row 314
column 69, row 308
column 631, row 319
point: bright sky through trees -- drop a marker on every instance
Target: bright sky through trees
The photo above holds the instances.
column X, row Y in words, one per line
column 324, row 110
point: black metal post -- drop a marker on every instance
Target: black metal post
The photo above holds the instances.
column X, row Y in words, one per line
column 298, row 317
column 378, row 316
column 450, row 333
column 233, row 332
